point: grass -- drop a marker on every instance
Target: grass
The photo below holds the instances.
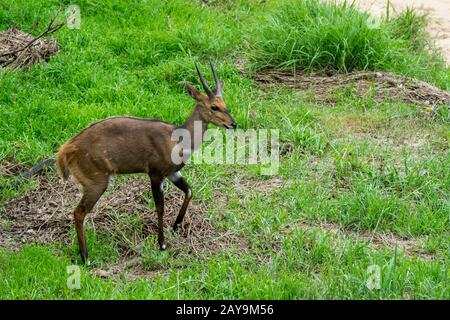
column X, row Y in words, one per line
column 313, row 35
column 363, row 166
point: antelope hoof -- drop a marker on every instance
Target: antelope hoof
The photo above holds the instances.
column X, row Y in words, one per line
column 85, row 259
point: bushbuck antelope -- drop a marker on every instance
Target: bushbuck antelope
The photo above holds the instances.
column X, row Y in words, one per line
column 121, row 145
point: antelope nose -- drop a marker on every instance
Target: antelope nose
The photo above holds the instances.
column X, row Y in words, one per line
column 234, row 125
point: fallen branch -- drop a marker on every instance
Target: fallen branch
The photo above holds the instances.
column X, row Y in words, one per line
column 13, row 37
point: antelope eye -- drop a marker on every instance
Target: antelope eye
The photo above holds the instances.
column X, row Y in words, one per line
column 215, row 108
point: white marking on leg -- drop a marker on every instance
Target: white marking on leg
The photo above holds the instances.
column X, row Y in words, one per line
column 175, row 176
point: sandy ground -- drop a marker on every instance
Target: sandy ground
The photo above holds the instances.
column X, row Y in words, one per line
column 438, row 10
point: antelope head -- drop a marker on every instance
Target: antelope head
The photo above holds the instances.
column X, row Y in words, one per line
column 211, row 105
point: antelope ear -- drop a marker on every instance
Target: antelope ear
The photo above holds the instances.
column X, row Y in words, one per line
column 193, row 92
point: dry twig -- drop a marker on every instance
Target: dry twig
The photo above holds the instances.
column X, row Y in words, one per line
column 20, row 50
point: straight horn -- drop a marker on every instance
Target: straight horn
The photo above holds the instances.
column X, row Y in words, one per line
column 204, row 84
column 216, row 80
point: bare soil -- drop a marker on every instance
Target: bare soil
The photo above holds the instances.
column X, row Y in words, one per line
column 45, row 215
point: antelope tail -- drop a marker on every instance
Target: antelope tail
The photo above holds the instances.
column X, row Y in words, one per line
column 61, row 160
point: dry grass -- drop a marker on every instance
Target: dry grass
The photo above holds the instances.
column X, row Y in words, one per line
column 44, row 216
column 12, row 40
column 388, row 86
column 10, row 168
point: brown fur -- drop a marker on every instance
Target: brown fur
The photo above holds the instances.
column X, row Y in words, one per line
column 115, row 146
column 122, row 145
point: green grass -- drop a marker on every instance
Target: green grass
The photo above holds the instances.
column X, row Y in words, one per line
column 361, row 165
column 316, row 35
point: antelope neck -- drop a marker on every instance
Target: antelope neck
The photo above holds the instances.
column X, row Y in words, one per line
column 194, row 117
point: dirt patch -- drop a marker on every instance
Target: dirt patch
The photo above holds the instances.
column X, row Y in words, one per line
column 396, row 136
column 251, row 185
column 409, row 246
column 123, row 212
column 248, row 188
column 387, row 86
column 396, row 144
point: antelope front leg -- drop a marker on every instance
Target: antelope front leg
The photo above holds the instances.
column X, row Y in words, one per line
column 181, row 184
column 158, row 196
